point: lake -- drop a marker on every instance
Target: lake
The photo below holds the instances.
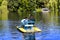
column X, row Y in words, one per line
column 8, row 31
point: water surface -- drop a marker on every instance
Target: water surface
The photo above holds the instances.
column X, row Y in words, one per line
column 8, row 31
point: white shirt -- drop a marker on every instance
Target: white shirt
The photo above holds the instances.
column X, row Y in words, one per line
column 24, row 21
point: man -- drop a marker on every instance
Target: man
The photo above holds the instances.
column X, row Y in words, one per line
column 24, row 22
column 32, row 19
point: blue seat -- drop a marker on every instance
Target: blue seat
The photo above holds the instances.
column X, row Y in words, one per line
column 29, row 22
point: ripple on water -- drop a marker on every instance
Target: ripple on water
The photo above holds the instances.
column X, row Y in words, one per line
column 8, row 31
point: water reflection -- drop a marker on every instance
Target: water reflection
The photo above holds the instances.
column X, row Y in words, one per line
column 8, row 31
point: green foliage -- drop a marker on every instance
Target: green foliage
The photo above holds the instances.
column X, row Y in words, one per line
column 22, row 7
column 0, row 14
column 25, row 7
column 0, row 2
column 4, row 11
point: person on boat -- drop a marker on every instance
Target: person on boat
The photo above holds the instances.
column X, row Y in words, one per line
column 32, row 19
column 28, row 21
column 24, row 22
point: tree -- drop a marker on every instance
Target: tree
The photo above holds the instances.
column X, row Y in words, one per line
column 22, row 7
column 0, row 2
